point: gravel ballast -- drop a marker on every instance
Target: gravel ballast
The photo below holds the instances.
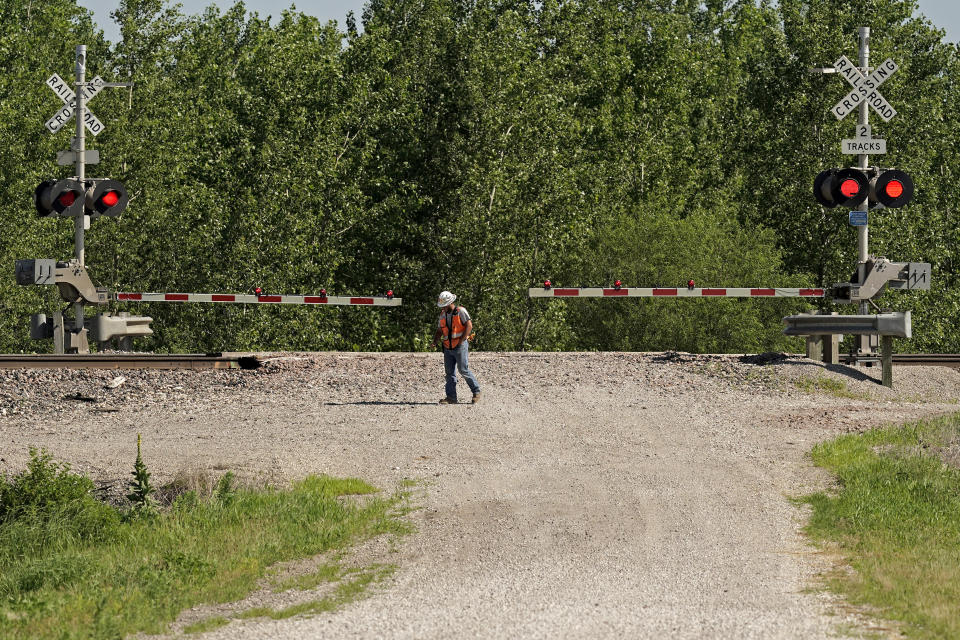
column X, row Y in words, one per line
column 586, row 495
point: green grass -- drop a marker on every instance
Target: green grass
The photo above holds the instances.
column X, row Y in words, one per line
column 895, row 519
column 206, row 625
column 346, row 591
column 822, row 384
column 330, row 572
column 72, row 567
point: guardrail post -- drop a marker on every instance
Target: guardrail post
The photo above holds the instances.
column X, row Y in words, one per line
column 824, row 347
column 831, row 349
column 815, row 347
column 886, row 361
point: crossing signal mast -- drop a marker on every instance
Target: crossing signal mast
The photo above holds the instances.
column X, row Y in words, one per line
column 82, row 199
column 85, row 199
column 862, row 188
column 858, row 189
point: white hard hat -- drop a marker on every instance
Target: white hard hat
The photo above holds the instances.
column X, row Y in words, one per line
column 445, row 298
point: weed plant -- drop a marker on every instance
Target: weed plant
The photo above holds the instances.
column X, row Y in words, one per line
column 141, row 491
column 835, row 388
column 895, row 518
column 73, row 567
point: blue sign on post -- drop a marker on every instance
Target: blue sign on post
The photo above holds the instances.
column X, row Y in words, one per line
column 858, row 218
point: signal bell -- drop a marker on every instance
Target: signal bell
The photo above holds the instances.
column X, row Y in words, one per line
column 105, row 198
column 889, row 188
column 59, row 198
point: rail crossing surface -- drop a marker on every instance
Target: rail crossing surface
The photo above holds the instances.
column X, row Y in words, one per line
column 591, row 495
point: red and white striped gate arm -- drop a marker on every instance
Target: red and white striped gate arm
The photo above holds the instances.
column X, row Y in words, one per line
column 237, row 298
column 673, row 292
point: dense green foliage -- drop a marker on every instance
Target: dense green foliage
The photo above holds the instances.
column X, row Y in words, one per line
column 74, row 567
column 480, row 146
column 896, row 519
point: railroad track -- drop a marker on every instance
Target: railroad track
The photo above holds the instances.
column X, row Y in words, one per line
column 928, row 359
column 238, row 361
column 129, row 361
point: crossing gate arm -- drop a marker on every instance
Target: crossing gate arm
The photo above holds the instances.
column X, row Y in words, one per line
column 376, row 301
column 674, row 292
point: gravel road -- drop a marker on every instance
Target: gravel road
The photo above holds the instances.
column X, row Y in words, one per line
column 589, row 495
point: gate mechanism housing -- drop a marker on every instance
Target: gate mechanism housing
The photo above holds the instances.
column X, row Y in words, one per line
column 71, row 279
column 881, row 272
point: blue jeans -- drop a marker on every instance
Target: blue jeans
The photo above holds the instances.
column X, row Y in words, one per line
column 456, row 359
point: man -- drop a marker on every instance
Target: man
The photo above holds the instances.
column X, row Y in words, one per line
column 453, row 329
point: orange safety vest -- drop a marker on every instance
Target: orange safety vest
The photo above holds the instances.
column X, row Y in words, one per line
column 451, row 339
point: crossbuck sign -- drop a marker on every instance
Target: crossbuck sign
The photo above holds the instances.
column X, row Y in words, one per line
column 864, row 88
column 65, row 93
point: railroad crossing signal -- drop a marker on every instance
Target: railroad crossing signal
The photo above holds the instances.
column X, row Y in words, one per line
column 890, row 188
column 60, row 87
column 68, row 198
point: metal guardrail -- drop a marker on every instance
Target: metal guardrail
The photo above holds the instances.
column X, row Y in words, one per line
column 897, row 325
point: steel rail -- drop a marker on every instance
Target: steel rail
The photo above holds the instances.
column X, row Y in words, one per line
column 240, row 361
column 129, row 361
column 928, row 359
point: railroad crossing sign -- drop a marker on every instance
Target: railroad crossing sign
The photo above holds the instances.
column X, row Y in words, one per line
column 65, row 93
column 864, row 143
column 864, row 88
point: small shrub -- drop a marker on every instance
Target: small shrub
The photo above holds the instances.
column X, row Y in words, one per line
column 43, row 488
column 44, row 509
column 226, row 489
column 186, row 501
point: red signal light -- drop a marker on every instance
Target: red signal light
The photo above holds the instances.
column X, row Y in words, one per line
column 546, row 284
column 258, row 292
column 105, row 197
column 849, row 187
column 617, row 284
column 390, row 294
column 59, row 198
column 894, row 188
column 691, row 284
